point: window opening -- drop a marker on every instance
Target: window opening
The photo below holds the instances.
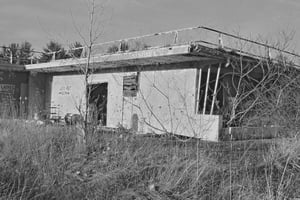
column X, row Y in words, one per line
column 205, row 93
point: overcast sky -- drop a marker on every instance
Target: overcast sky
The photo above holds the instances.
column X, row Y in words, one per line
column 39, row 21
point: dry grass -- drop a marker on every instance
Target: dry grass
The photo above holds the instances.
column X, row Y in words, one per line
column 46, row 162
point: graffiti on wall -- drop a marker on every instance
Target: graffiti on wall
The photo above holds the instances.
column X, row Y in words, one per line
column 7, row 93
column 7, row 88
column 1, row 76
column 64, row 90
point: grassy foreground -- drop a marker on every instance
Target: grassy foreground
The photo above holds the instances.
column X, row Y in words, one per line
column 48, row 162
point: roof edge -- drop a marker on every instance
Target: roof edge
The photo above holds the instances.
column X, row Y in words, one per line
column 12, row 67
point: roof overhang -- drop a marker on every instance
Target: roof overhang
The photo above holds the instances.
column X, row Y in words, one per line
column 149, row 57
column 198, row 46
column 12, row 67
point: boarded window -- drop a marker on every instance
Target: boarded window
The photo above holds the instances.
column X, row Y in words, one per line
column 130, row 85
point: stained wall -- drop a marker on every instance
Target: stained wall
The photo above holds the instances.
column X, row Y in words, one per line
column 165, row 102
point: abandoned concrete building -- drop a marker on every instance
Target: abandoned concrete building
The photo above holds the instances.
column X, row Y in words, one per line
column 175, row 86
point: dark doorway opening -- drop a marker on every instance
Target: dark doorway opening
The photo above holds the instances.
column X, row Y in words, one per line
column 23, row 101
column 98, row 103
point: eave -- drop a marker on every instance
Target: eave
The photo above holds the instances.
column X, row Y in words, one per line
column 150, row 57
column 12, row 67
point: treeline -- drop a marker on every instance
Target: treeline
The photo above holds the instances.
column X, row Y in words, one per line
column 24, row 53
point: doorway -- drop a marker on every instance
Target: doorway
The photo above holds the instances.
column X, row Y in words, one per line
column 23, row 100
column 98, row 103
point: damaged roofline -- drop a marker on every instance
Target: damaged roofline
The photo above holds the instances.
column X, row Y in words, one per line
column 211, row 46
column 193, row 52
column 154, row 56
column 168, row 53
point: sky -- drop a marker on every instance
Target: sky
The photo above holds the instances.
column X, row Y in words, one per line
column 39, row 21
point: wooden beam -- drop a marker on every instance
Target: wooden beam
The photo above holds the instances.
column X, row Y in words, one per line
column 198, row 87
column 206, row 89
column 215, row 90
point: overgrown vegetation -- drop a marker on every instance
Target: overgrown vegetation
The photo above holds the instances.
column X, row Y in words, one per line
column 270, row 100
column 48, row 162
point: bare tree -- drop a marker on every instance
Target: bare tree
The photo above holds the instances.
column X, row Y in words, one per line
column 95, row 11
column 263, row 91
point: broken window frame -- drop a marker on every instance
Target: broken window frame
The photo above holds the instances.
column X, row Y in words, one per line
column 132, row 84
column 209, row 98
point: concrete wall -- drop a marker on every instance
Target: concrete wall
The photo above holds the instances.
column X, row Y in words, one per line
column 164, row 103
column 11, row 96
column 67, row 94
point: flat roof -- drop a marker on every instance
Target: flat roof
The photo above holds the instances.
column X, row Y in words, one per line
column 11, row 67
column 155, row 56
column 198, row 45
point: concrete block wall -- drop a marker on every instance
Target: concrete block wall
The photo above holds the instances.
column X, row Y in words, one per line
column 13, row 92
